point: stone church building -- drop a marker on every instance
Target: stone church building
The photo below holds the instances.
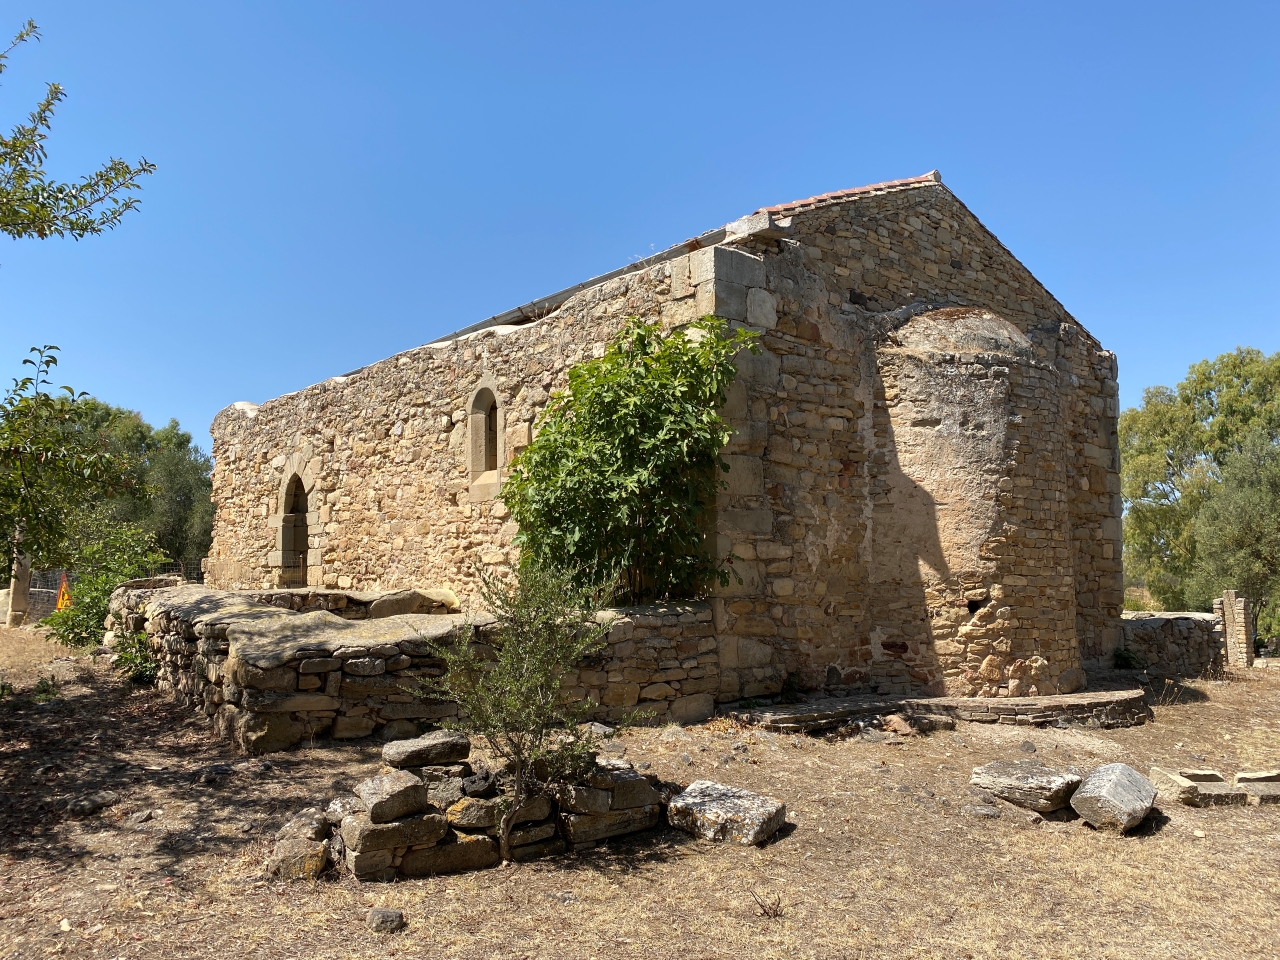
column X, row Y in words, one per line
column 924, row 489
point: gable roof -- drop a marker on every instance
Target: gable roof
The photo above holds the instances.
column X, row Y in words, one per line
column 753, row 223
column 838, row 196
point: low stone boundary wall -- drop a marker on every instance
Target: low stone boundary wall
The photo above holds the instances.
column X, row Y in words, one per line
column 1107, row 709
column 272, row 668
column 1177, row 644
column 269, row 677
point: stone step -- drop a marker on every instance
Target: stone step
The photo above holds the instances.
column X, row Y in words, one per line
column 1108, row 708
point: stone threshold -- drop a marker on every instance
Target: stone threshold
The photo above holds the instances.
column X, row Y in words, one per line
column 1106, row 708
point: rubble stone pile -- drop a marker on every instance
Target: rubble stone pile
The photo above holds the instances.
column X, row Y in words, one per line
column 436, row 810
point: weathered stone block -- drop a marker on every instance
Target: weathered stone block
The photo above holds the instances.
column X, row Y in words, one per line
column 715, row 811
column 726, row 263
column 1026, row 783
column 533, row 833
column 587, row 828
column 722, row 298
column 1114, row 797
column 319, row 665
column 1221, row 795
column 372, row 864
column 361, row 834
column 365, row 666
column 298, row 859
column 309, row 824
column 631, row 789
column 393, row 796
column 697, row 707
column 437, row 747
column 453, row 854
column 349, row 728
column 762, row 309
column 551, row 847
column 1263, row 791
column 472, row 813
column 1173, row 786
column 578, row 799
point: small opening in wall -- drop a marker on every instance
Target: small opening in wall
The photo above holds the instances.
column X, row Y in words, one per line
column 485, row 427
column 491, row 437
column 293, row 533
column 975, row 606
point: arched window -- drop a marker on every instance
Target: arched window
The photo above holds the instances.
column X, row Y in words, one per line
column 485, row 444
column 293, row 534
column 484, row 434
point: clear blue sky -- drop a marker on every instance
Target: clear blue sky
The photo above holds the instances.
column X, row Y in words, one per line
column 339, row 182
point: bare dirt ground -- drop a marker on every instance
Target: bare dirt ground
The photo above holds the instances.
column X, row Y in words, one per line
column 878, row 859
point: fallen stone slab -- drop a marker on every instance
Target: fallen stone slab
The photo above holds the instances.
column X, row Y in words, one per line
column 1202, row 776
column 1114, row 797
column 392, row 796
column 715, row 811
column 1263, row 792
column 381, row 920
column 1027, row 783
column 435, row 748
column 1258, row 776
column 298, row 859
column 1221, row 795
column 456, row 853
column 1174, row 786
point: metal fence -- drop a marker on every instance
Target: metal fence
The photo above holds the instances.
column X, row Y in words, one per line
column 45, row 583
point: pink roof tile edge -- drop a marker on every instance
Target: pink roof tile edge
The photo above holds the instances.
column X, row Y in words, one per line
column 823, row 198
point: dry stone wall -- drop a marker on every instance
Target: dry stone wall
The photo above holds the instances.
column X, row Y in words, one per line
column 1177, row 644
column 923, row 492
column 270, row 675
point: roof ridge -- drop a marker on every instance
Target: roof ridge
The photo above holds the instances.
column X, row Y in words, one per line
column 933, row 176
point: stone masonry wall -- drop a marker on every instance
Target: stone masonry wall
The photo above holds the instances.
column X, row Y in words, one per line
column 897, row 332
column 1177, row 644
column 270, row 675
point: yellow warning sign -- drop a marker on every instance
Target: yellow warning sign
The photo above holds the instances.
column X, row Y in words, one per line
column 64, row 594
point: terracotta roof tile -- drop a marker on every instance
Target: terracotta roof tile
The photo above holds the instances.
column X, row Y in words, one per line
column 824, row 198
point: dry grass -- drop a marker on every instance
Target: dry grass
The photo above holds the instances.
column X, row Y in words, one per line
column 25, row 656
column 878, row 861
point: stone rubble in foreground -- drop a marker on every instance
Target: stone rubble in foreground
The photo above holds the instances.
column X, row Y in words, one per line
column 715, row 811
column 1114, row 797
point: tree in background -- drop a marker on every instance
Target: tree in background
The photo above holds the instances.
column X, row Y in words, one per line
column 170, row 489
column 52, row 457
column 115, row 553
column 1172, row 453
column 626, row 461
column 32, row 205
column 1237, row 531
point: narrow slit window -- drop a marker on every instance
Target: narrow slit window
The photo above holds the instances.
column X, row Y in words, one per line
column 491, row 437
